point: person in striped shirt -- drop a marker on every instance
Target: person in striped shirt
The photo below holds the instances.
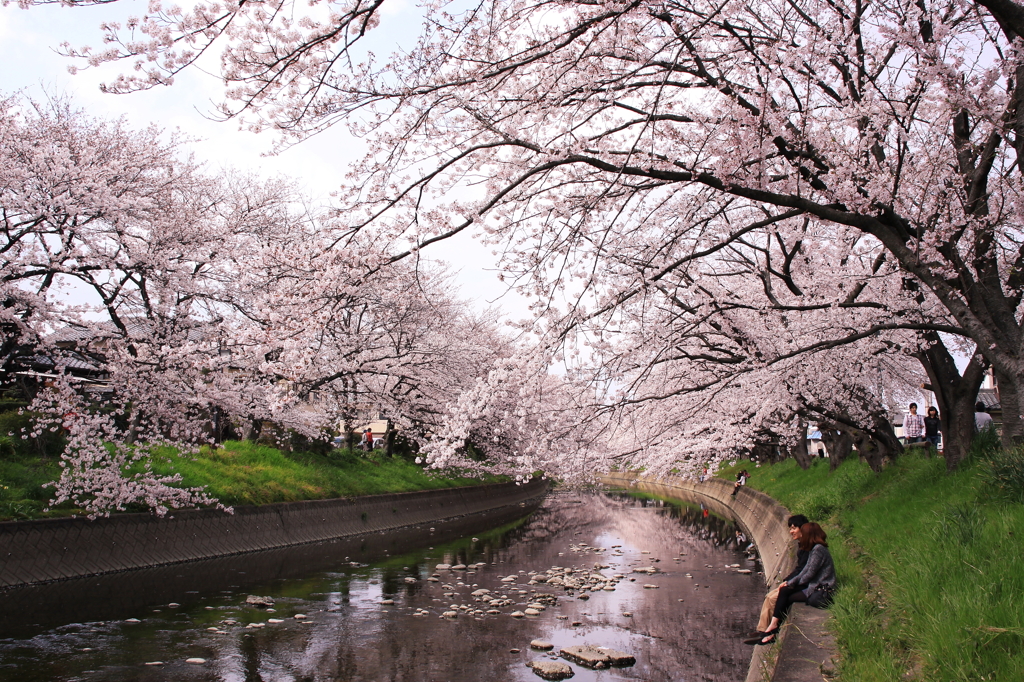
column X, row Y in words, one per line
column 913, row 425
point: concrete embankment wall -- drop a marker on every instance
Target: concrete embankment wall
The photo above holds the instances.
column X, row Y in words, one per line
column 56, row 549
column 761, row 518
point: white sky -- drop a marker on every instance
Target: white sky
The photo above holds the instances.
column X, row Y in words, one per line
column 28, row 42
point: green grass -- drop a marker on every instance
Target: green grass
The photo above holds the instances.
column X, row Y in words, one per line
column 246, row 473
column 22, row 495
column 240, row 473
column 930, row 587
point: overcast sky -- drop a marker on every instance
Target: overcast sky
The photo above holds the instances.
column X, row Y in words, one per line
column 28, row 42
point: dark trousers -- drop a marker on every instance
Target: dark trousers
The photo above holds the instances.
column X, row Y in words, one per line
column 787, row 595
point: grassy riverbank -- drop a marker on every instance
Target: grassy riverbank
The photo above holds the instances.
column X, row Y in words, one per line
column 242, row 473
column 930, row 584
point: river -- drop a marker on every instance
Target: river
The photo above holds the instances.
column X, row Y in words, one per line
column 685, row 625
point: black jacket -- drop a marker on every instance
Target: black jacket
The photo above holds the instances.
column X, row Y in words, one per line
column 801, row 561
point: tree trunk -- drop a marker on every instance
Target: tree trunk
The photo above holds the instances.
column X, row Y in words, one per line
column 253, row 429
column 838, row 442
column 133, row 426
column 869, row 449
column 1010, row 400
column 800, row 449
column 217, row 424
column 958, row 432
column 955, row 395
column 885, row 438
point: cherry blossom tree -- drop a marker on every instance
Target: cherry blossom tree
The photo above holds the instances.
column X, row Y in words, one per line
column 709, row 365
column 115, row 238
column 608, row 149
column 525, row 420
column 204, row 299
column 346, row 330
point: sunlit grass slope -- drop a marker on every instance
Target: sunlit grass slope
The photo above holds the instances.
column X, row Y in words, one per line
column 246, row 473
column 239, row 473
column 932, row 585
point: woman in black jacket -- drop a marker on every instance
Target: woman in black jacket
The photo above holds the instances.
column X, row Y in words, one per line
column 932, row 426
column 795, row 523
column 819, row 573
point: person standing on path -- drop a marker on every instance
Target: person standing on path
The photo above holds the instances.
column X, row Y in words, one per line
column 982, row 419
column 913, row 426
column 932, row 426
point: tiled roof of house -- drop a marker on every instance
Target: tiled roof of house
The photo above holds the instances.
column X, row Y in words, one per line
column 990, row 399
column 73, row 361
column 136, row 327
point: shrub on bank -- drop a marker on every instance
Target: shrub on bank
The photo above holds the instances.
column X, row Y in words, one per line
column 930, row 587
column 27, row 463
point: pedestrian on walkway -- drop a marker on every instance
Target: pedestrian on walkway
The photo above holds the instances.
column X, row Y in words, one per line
column 913, row 426
column 932, row 426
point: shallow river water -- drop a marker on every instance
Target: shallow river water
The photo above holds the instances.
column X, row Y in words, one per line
column 688, row 627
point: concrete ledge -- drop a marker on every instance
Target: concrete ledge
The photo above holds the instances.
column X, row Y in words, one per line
column 58, row 549
column 808, row 650
column 804, row 647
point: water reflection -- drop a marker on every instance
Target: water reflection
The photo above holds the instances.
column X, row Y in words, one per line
column 685, row 629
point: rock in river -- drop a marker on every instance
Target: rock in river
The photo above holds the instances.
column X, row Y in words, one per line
column 596, row 656
column 259, row 602
column 542, row 645
column 551, row 670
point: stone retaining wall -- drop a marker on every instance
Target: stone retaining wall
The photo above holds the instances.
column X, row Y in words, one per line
column 57, row 549
column 761, row 518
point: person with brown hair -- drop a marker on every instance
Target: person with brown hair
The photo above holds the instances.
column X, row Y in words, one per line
column 768, row 605
column 814, row 585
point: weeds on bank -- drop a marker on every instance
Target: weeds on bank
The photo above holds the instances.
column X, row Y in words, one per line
column 930, row 587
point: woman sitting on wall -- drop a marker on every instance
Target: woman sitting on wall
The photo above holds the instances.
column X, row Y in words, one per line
column 814, row 585
column 795, row 523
